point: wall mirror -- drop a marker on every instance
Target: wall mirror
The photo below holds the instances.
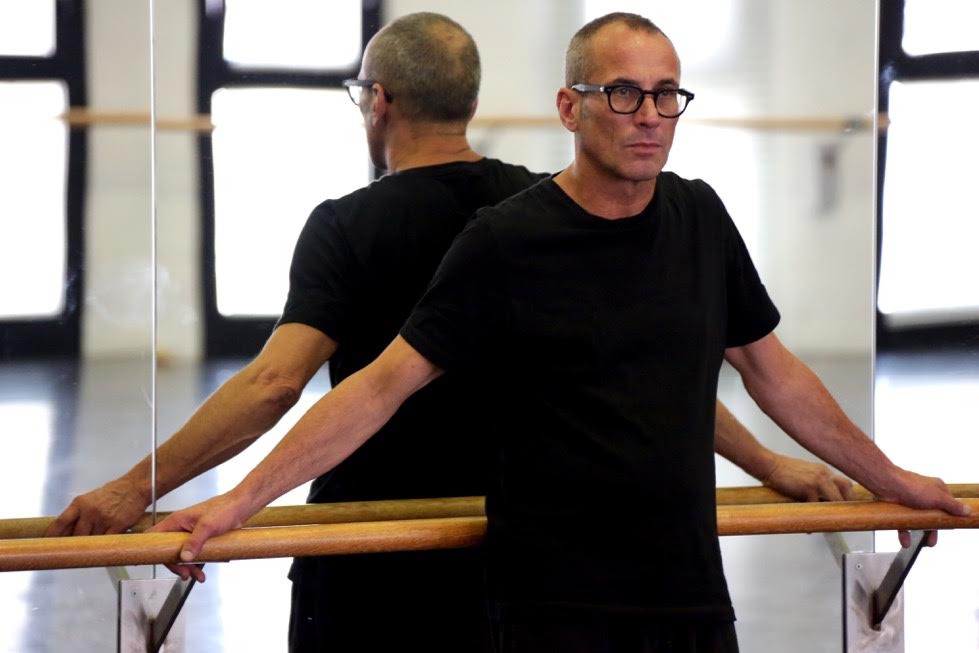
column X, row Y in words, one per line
column 252, row 130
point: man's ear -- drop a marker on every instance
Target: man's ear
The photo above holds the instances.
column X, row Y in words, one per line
column 380, row 105
column 568, row 108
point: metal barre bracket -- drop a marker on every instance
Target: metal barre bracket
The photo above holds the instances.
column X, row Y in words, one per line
column 873, row 601
column 149, row 615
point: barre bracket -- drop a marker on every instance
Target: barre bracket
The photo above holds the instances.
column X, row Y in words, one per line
column 149, row 615
column 873, row 602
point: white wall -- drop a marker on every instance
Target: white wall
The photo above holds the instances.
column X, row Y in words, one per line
column 117, row 227
column 117, row 297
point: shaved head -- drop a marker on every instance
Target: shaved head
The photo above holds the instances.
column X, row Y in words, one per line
column 429, row 64
column 579, row 63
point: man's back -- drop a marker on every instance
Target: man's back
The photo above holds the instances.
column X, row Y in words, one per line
column 361, row 264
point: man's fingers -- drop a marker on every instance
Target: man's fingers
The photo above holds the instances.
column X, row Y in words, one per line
column 829, row 491
column 63, row 523
column 956, row 507
column 197, row 572
column 192, row 547
column 904, row 537
column 931, row 538
column 180, row 570
column 83, row 526
column 845, row 486
column 186, row 571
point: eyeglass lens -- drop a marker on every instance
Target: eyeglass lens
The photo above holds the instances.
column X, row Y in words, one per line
column 354, row 93
column 627, row 99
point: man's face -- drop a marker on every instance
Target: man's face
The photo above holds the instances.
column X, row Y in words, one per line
column 631, row 147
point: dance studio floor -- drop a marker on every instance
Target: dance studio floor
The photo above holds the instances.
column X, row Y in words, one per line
column 67, row 428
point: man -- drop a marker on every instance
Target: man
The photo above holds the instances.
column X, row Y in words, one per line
column 360, row 265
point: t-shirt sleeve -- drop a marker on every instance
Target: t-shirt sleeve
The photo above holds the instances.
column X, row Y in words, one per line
column 751, row 314
column 461, row 317
column 323, row 277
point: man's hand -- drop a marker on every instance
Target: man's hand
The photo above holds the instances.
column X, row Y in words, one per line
column 807, row 481
column 203, row 521
column 924, row 492
column 110, row 509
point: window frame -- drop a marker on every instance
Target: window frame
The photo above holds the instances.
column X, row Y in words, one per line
column 895, row 65
column 58, row 336
column 226, row 336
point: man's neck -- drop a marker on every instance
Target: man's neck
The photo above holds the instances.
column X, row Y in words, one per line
column 603, row 195
column 417, row 146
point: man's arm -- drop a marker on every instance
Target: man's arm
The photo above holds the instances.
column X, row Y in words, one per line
column 794, row 397
column 790, row 476
column 245, row 407
column 331, row 430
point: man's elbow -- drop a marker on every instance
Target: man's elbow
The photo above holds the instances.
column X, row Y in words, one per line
column 275, row 391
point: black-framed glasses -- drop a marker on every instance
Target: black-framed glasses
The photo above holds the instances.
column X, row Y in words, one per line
column 354, row 87
column 625, row 98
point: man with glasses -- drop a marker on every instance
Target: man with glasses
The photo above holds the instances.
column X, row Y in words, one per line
column 360, row 265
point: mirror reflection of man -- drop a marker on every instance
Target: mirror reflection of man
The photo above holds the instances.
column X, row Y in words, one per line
column 361, row 263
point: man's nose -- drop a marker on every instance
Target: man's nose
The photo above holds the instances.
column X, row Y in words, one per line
column 647, row 113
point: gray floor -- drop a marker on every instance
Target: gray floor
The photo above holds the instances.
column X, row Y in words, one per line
column 68, row 428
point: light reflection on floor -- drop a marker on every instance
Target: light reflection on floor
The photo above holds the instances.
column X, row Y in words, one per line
column 785, row 588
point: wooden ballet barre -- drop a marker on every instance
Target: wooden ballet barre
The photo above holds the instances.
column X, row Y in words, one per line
column 313, row 513
column 83, row 118
column 246, row 543
column 447, row 533
column 365, row 511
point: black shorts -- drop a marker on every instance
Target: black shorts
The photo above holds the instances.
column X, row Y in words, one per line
column 429, row 601
column 612, row 634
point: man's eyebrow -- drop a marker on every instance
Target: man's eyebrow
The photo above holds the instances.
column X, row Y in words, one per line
column 665, row 82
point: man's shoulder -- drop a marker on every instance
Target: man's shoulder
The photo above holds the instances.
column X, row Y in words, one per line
column 672, row 183
column 428, row 185
column 531, row 199
column 376, row 193
column 366, row 205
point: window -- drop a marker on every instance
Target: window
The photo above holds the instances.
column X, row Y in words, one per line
column 261, row 201
column 928, row 266
column 934, row 26
column 32, row 204
column 926, row 204
column 297, row 35
column 41, row 177
column 285, row 138
column 27, row 28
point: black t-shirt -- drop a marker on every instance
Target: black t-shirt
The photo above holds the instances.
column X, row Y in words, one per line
column 603, row 340
column 360, row 265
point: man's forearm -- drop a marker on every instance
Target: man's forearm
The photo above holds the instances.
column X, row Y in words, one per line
column 802, row 406
column 733, row 441
column 790, row 476
column 792, row 395
column 329, row 432
column 337, row 424
column 224, row 425
column 231, row 419
column 244, row 408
